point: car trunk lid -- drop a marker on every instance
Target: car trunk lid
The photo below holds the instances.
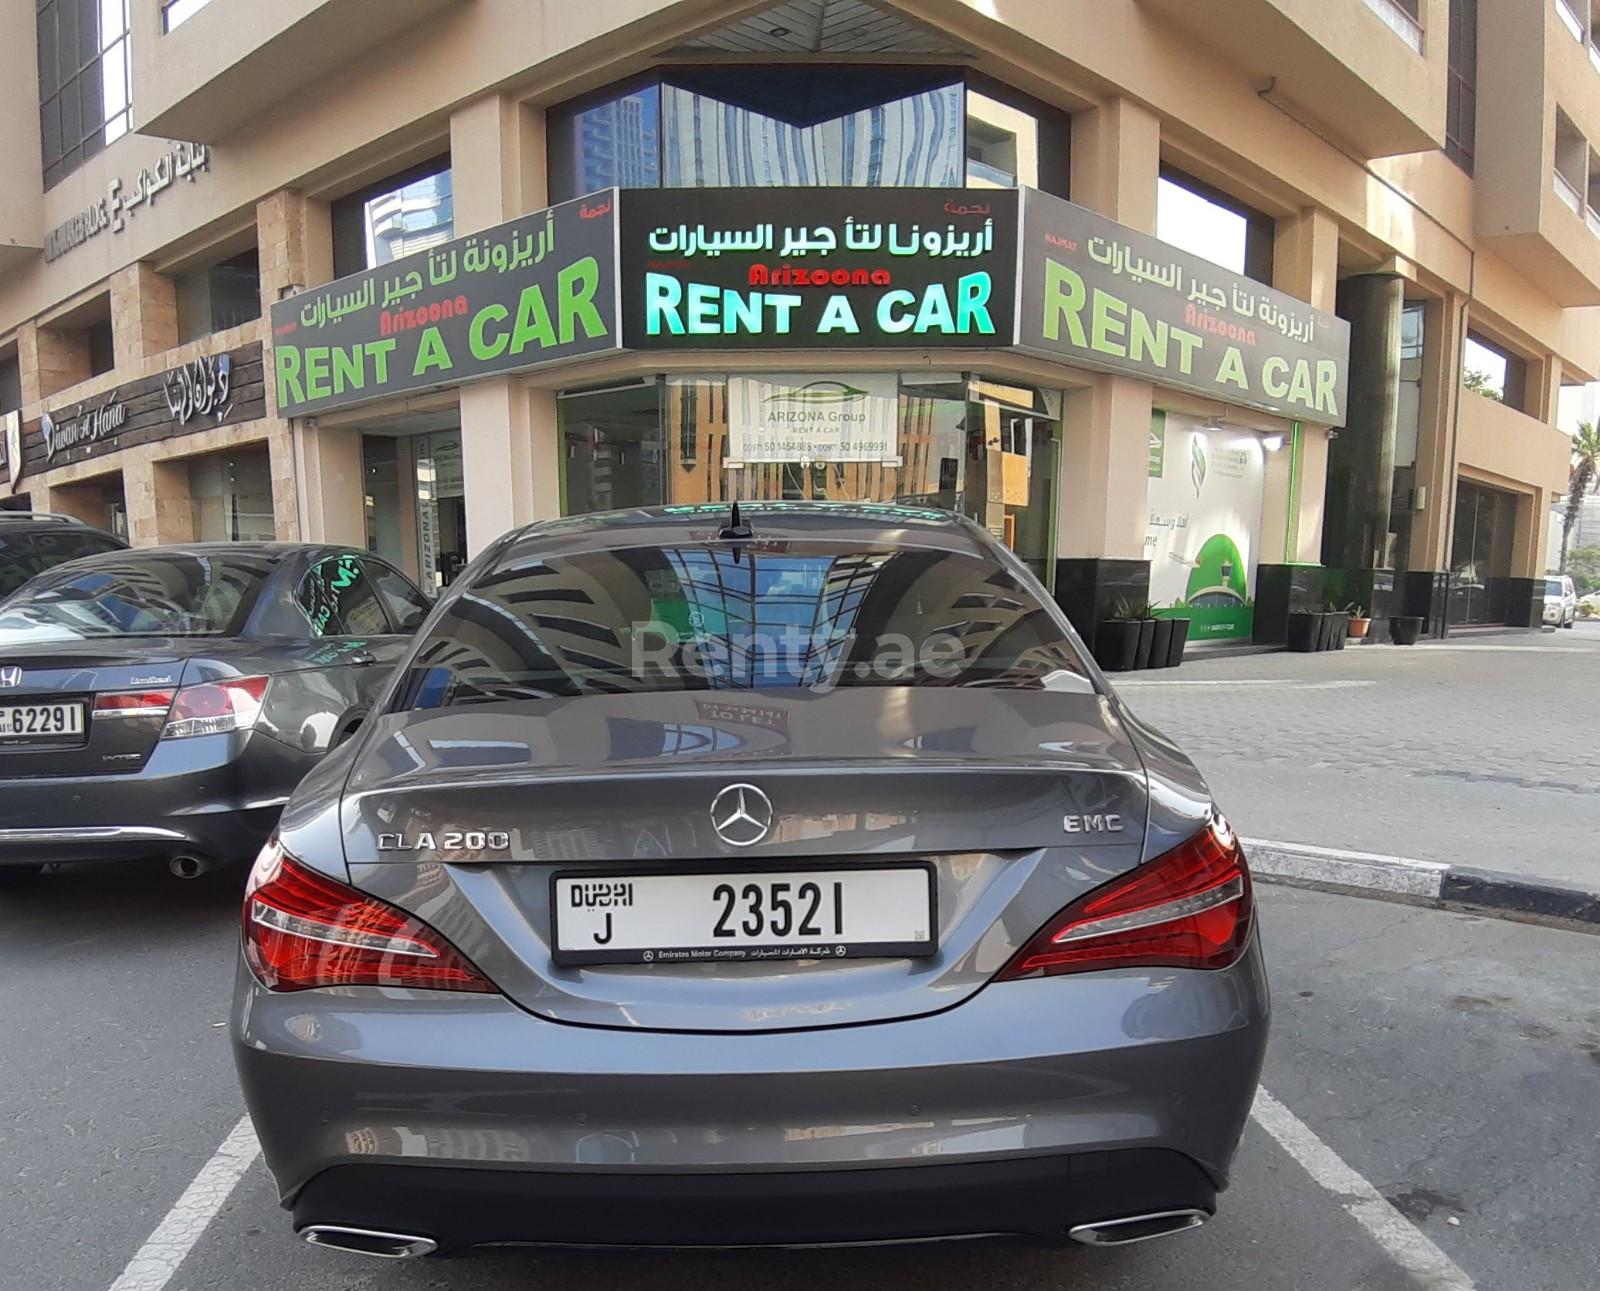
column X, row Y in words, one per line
column 1008, row 804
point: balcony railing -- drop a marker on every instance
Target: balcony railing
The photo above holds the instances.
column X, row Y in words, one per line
column 175, row 12
column 1399, row 21
column 1569, row 194
column 1570, row 20
column 1591, row 217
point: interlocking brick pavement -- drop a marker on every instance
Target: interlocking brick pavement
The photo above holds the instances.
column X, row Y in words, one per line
column 1480, row 750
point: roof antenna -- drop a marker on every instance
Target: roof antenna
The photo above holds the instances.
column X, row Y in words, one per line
column 735, row 528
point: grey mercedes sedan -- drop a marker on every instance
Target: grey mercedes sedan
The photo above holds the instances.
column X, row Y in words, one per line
column 784, row 877
column 163, row 701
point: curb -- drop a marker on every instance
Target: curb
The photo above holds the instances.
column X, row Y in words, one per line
column 1431, row 883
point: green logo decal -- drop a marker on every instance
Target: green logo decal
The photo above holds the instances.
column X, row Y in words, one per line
column 818, row 392
column 1197, row 462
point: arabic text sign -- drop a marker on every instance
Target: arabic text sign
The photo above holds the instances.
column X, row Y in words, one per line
column 182, row 160
column 779, row 419
column 1110, row 297
column 533, row 291
column 816, row 268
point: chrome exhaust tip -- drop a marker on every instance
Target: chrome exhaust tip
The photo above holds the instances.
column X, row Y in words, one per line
column 367, row 1241
column 189, row 866
column 1137, row 1228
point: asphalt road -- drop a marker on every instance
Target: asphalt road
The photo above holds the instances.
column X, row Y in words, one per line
column 1480, row 750
column 1452, row 1061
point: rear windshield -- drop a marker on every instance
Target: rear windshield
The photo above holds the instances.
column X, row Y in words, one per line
column 142, row 594
column 1553, row 587
column 29, row 552
column 756, row 617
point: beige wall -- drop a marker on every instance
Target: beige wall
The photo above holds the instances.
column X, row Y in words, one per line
column 21, row 199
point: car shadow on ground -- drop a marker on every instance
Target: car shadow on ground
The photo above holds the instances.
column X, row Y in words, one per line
column 73, row 904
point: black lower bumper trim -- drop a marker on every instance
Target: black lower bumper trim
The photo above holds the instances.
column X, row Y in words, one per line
column 1030, row 1196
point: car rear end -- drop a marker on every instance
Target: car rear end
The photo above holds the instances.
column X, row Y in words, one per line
column 128, row 716
column 559, row 951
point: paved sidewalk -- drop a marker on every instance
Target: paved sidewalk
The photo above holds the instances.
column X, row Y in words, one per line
column 1481, row 752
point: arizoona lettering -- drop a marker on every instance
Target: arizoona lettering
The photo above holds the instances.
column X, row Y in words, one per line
column 404, row 320
column 789, row 275
column 496, row 334
column 1099, row 323
column 674, row 308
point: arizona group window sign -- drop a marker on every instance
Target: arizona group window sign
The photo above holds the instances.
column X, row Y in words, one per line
column 764, row 269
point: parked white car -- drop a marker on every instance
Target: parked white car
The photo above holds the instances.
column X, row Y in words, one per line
column 1560, row 601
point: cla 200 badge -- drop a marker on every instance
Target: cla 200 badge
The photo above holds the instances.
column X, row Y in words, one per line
column 472, row 840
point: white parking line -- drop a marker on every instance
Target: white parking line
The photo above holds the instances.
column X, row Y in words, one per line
column 176, row 1235
column 1402, row 1240
column 158, row 1259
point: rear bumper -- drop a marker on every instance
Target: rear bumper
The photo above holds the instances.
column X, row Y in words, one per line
column 219, row 795
column 373, row 1106
column 1040, row 1197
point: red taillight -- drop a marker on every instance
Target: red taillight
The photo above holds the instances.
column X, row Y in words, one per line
column 1188, row 908
column 216, row 707
column 303, row 929
column 133, row 703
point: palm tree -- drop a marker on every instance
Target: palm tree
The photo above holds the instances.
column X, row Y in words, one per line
column 1585, row 461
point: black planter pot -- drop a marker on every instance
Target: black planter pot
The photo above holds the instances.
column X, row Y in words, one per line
column 1115, row 645
column 1304, row 632
column 1404, row 629
column 1180, row 635
column 1341, row 629
column 1161, row 643
column 1333, row 626
column 1147, row 637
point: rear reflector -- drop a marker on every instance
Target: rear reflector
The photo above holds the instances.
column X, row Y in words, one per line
column 303, row 930
column 216, row 707
column 133, row 703
column 1188, row 908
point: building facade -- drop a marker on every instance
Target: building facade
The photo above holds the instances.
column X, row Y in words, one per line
column 1180, row 301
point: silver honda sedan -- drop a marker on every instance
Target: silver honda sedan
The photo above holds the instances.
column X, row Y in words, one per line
column 717, row 879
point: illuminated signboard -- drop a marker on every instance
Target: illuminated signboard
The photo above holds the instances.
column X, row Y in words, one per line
column 818, row 268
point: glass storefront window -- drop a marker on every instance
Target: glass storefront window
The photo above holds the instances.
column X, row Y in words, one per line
column 1480, row 553
column 798, row 126
column 231, row 494
column 441, row 508
column 983, row 449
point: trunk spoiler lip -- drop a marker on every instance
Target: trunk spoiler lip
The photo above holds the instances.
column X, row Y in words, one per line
column 569, row 775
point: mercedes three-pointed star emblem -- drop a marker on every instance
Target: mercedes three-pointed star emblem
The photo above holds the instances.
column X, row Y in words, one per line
column 742, row 815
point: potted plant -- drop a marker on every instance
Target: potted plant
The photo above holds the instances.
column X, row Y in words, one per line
column 1304, row 632
column 1180, row 634
column 1160, row 640
column 1116, row 639
column 1140, row 614
column 1360, row 624
column 1335, row 622
column 1404, row 629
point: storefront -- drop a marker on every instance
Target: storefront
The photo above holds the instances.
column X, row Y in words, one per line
column 710, row 325
column 1480, row 554
column 194, row 440
column 414, row 500
column 983, row 448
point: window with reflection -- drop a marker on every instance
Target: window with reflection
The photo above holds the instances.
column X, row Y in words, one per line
column 798, row 126
column 398, row 216
column 739, row 615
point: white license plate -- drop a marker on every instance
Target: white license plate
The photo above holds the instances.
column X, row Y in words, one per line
column 41, row 721
column 701, row 918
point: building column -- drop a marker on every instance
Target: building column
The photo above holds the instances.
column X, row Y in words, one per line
column 50, row 360
column 1305, row 263
column 333, row 495
column 1423, row 589
column 144, row 314
column 1355, row 532
column 294, row 240
column 1105, row 433
column 510, row 449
